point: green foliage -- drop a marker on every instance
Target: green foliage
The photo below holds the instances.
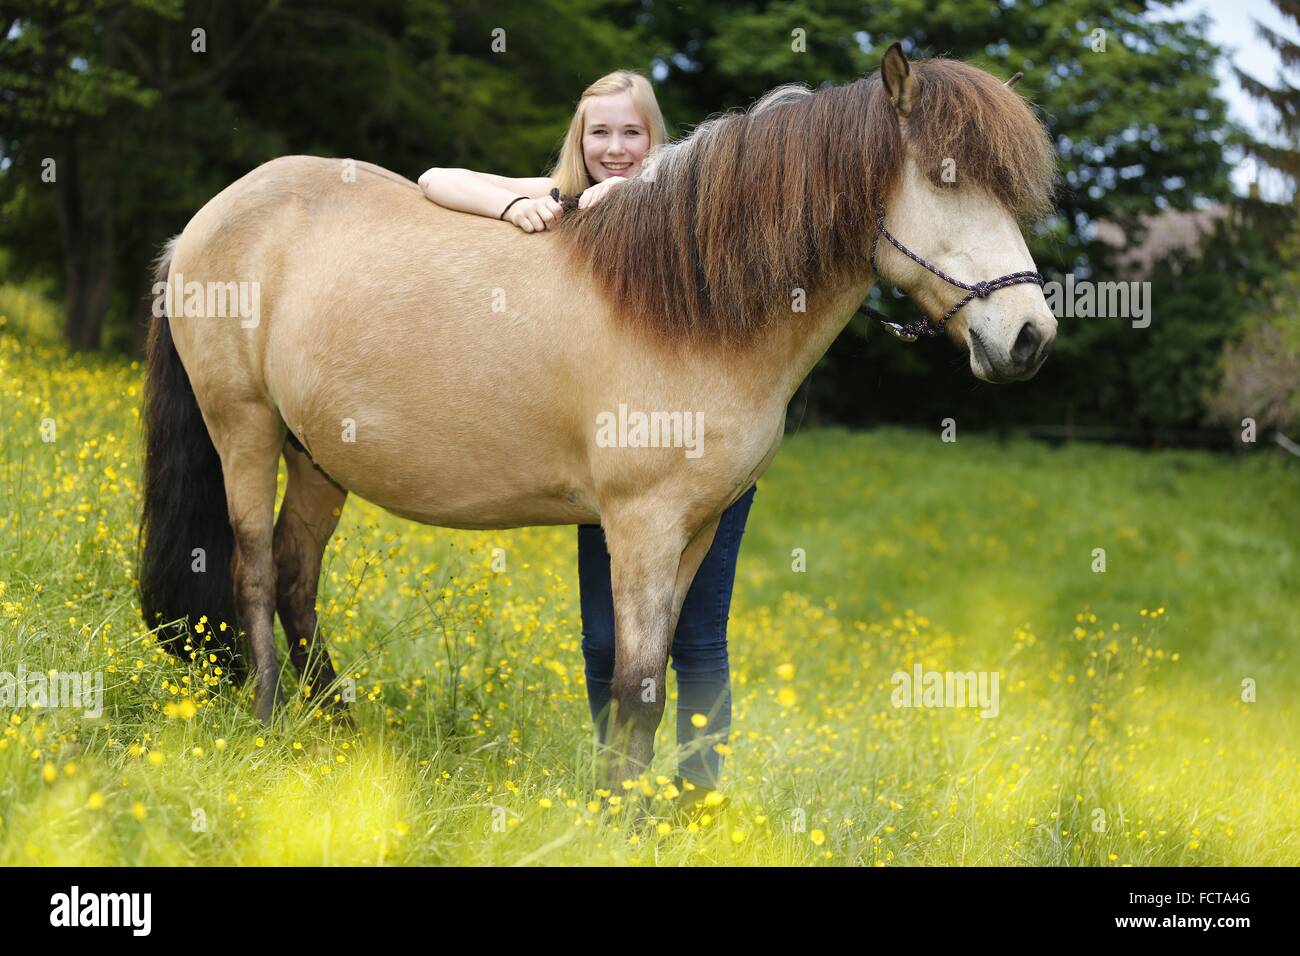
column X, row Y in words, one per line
column 120, row 98
column 1282, row 152
column 48, row 80
column 1261, row 365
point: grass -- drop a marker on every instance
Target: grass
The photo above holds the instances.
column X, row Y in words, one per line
column 1122, row 736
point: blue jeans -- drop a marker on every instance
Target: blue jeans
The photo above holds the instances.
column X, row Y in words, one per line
column 699, row 649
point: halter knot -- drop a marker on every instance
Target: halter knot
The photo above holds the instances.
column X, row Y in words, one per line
column 982, row 290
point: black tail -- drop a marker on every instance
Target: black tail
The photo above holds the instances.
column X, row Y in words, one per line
column 184, row 510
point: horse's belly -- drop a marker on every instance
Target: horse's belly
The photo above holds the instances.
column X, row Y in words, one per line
column 464, row 507
column 497, row 514
column 454, row 477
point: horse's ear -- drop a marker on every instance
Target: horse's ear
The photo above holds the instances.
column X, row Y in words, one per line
column 1015, row 79
column 898, row 79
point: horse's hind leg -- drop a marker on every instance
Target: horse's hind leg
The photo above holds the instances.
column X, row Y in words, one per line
column 248, row 437
column 308, row 516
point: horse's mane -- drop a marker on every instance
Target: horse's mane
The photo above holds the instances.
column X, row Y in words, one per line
column 712, row 241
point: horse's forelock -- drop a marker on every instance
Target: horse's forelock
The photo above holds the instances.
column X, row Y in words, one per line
column 985, row 131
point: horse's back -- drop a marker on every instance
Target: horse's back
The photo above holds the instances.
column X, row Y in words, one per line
column 310, row 186
column 307, row 202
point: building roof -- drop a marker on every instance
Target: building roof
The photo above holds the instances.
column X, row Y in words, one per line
column 1166, row 232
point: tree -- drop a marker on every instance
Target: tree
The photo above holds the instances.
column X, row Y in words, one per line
column 1282, row 97
column 148, row 108
column 76, row 93
column 1261, row 366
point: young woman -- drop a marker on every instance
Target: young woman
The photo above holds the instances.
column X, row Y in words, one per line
column 616, row 124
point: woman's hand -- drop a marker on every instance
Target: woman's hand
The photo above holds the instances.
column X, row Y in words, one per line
column 594, row 194
column 534, row 215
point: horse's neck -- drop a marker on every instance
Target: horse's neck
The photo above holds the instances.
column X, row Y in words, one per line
column 789, row 353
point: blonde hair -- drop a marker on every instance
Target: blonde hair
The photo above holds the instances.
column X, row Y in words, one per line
column 570, row 172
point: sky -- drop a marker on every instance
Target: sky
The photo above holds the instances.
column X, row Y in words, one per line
column 1234, row 30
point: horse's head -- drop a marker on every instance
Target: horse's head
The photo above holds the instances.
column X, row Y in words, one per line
column 972, row 162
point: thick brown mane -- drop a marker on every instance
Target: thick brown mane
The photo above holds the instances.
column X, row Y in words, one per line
column 751, row 206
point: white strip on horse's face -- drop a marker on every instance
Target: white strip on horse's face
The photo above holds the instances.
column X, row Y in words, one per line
column 968, row 234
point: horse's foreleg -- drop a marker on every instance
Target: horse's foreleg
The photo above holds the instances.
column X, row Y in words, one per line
column 650, row 574
column 308, row 516
column 248, row 439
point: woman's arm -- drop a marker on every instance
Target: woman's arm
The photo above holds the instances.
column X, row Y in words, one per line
column 485, row 194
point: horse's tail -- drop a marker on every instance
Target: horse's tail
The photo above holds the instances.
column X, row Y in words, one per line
column 186, row 542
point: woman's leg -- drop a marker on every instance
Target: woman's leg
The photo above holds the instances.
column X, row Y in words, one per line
column 699, row 653
column 597, row 598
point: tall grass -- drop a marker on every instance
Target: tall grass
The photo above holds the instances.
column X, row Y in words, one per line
column 1121, row 735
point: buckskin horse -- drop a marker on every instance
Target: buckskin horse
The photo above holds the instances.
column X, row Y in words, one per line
column 455, row 372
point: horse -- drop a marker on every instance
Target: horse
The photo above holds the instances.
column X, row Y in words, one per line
column 465, row 375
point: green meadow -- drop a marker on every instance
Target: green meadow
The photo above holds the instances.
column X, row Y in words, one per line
column 1147, row 713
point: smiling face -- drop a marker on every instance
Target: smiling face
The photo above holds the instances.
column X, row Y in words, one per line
column 615, row 137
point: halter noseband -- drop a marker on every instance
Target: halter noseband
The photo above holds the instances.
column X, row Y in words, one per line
column 909, row 331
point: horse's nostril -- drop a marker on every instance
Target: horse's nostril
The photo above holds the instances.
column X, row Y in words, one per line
column 1026, row 345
